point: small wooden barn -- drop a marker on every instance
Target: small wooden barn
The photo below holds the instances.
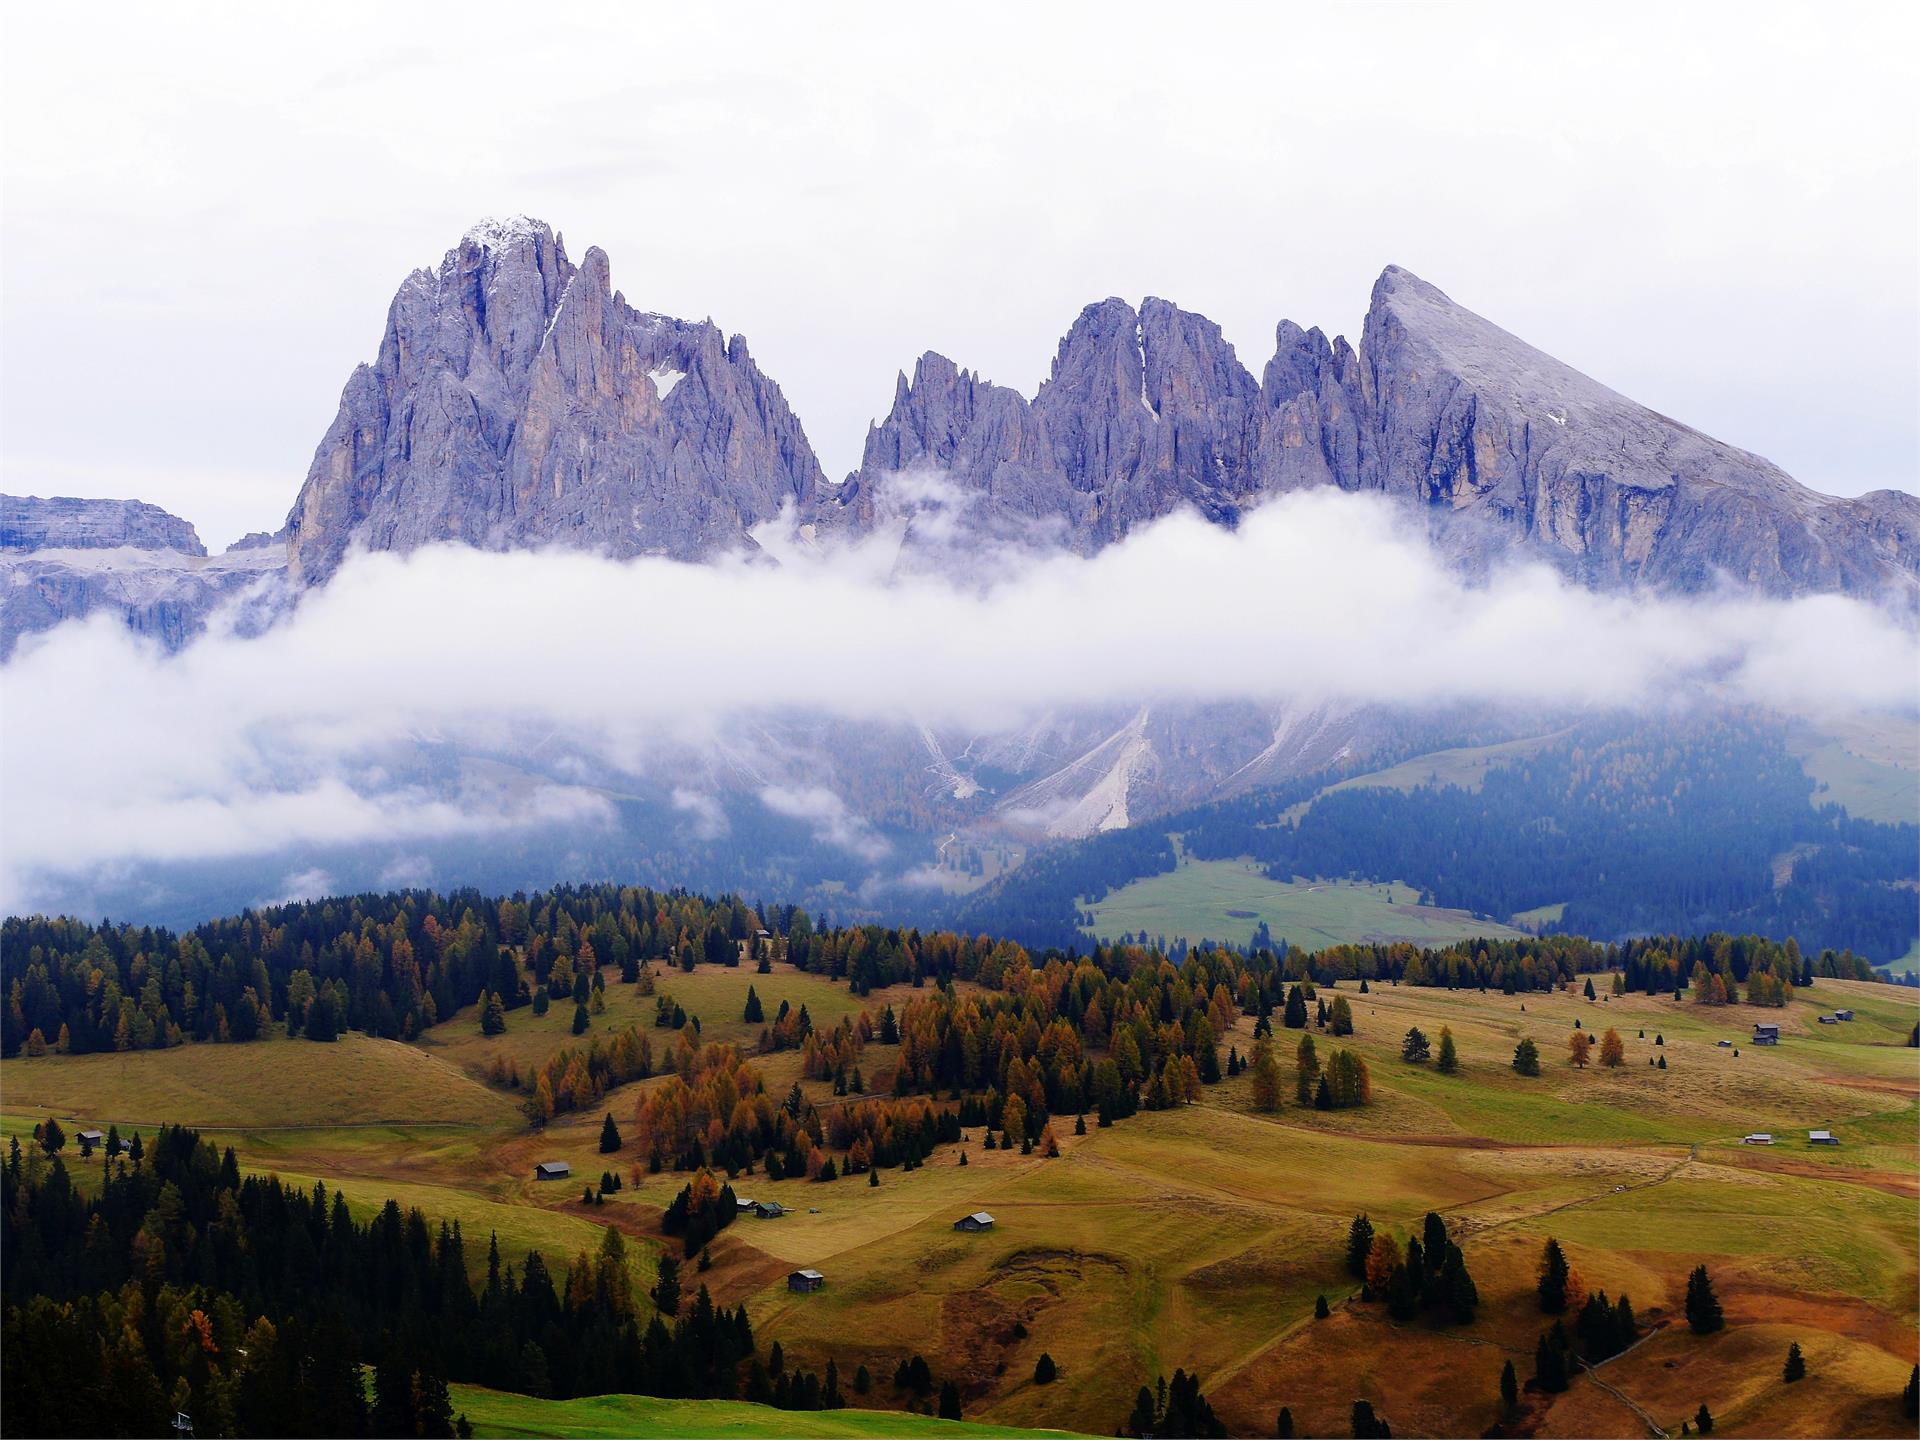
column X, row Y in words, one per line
column 979, row 1220
column 805, row 1281
column 552, row 1170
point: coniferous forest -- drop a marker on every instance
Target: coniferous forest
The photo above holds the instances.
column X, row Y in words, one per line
column 1650, row 828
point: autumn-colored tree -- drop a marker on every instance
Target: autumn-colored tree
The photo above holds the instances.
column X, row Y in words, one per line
column 1383, row 1257
column 1612, row 1048
column 1306, row 1070
column 1013, row 1118
column 1266, row 1075
column 1449, row 1058
column 1578, row 1044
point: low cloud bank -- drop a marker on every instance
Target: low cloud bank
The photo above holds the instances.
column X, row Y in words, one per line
column 112, row 752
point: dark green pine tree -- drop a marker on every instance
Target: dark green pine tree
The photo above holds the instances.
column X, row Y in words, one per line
column 1359, row 1242
column 609, row 1135
column 1703, row 1306
column 1295, row 1017
column 949, row 1401
column 1910, row 1397
column 1509, row 1392
column 1403, row 1293
column 1367, row 1425
column 1283, row 1427
column 666, row 1288
column 1703, row 1419
column 1552, row 1288
column 1457, row 1288
column 1320, row 1310
column 1796, row 1366
column 1550, row 1362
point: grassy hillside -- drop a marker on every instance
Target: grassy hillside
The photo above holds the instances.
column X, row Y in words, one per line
column 1465, row 766
column 1869, row 766
column 496, row 1412
column 1225, row 899
column 1197, row 1237
column 356, row 1080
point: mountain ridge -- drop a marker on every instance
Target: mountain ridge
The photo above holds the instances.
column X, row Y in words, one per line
column 517, row 399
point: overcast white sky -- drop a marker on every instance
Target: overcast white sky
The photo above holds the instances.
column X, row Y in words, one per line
column 204, row 211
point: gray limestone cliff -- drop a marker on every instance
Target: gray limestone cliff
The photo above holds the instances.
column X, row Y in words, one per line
column 1503, row 448
column 517, row 400
column 64, row 559
column 28, row 522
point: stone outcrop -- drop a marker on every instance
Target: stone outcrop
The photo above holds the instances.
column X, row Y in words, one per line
column 64, row 559
column 29, row 523
column 517, row 400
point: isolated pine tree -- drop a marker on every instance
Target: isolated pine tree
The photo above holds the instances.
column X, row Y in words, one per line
column 1449, row 1058
column 1526, row 1058
column 609, row 1135
column 1703, row 1419
column 1367, row 1425
column 1509, row 1392
column 1796, row 1367
column 1703, row 1307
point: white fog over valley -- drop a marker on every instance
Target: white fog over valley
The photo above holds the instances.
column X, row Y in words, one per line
column 307, row 734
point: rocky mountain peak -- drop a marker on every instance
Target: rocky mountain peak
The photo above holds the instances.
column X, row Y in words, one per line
column 516, row 399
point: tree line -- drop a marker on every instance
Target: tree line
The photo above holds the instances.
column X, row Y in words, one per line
column 252, row 1306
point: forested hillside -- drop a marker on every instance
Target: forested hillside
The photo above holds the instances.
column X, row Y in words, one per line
column 1676, row 825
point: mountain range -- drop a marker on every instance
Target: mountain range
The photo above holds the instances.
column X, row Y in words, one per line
column 516, row 399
